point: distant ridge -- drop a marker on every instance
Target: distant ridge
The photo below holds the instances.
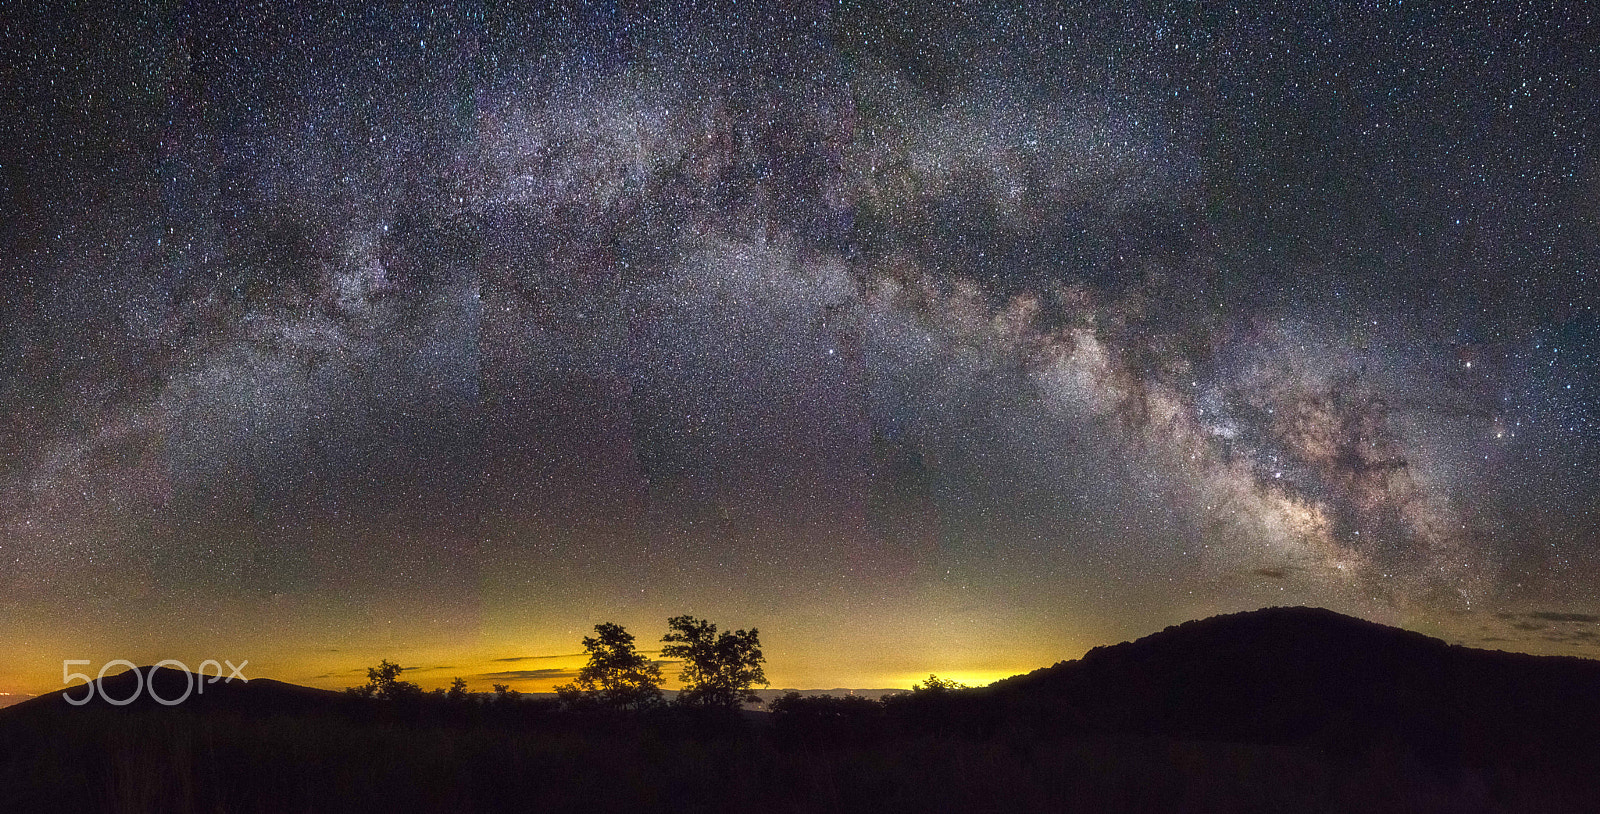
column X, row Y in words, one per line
column 1276, row 675
column 265, row 695
column 205, row 694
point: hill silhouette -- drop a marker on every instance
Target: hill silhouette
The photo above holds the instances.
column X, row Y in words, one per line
column 1280, row 672
column 1308, row 675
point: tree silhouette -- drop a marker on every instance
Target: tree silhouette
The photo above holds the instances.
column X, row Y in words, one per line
column 458, row 691
column 384, row 684
column 935, row 685
column 616, row 675
column 718, row 670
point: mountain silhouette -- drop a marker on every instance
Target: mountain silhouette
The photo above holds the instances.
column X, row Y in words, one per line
column 1308, row 675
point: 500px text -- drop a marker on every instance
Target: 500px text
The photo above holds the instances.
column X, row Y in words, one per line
column 196, row 685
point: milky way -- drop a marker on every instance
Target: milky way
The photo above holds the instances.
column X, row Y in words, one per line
column 405, row 330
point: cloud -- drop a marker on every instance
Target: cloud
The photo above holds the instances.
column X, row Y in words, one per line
column 1552, row 616
column 1540, row 629
column 530, row 675
column 558, row 656
column 1584, row 637
column 544, row 673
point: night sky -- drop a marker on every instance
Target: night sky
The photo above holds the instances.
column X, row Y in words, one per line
column 952, row 340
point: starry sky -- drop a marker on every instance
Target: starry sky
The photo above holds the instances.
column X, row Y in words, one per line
column 951, row 339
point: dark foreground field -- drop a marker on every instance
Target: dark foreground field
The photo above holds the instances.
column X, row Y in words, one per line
column 1286, row 710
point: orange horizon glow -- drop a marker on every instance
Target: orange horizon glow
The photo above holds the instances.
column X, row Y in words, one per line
column 480, row 677
column 881, row 655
